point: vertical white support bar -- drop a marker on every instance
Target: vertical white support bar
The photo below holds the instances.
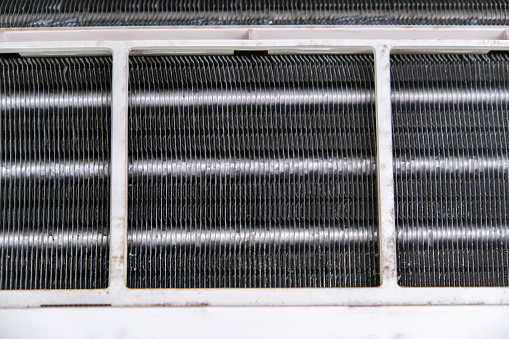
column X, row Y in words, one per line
column 118, row 235
column 387, row 231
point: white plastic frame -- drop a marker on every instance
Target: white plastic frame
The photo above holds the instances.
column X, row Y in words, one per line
column 378, row 40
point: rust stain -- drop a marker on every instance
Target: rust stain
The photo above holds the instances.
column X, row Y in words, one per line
column 118, row 257
column 191, row 304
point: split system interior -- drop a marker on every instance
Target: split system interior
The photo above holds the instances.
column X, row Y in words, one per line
column 254, row 170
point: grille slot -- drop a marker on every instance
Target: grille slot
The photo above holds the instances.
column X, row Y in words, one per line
column 54, row 173
column 70, row 13
column 451, row 162
column 252, row 171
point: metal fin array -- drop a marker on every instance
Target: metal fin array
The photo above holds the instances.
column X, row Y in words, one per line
column 54, row 173
column 71, row 13
column 252, row 171
column 451, row 162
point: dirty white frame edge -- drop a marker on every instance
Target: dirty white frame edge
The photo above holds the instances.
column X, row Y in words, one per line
column 378, row 40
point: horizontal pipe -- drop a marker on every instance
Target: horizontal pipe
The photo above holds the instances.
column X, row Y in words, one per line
column 271, row 236
column 442, row 96
column 44, row 170
column 189, row 98
column 232, row 97
column 423, row 234
column 281, row 236
column 234, row 167
column 286, row 236
column 226, row 97
column 20, row 239
column 451, row 165
column 61, row 100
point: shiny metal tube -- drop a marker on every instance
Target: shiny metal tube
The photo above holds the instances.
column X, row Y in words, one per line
column 253, row 237
column 75, row 239
column 424, row 235
column 57, row 170
column 234, row 167
column 495, row 96
column 451, row 165
column 189, row 98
